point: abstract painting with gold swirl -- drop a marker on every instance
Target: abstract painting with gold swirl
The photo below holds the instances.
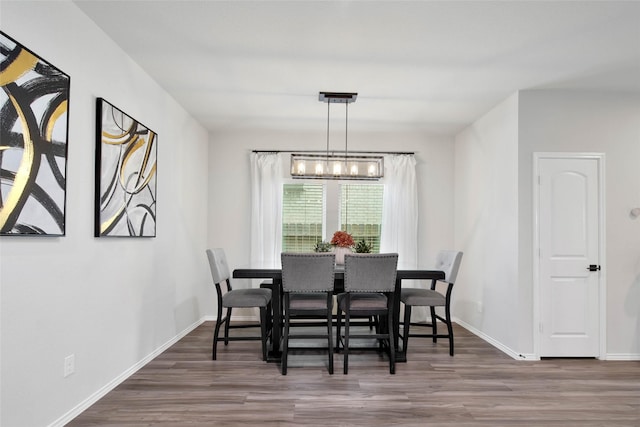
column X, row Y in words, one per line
column 125, row 175
column 34, row 116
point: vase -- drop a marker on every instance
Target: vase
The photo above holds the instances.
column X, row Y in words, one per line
column 340, row 253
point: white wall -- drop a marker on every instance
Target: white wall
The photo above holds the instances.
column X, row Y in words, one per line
column 593, row 122
column 494, row 202
column 111, row 302
column 485, row 297
column 230, row 191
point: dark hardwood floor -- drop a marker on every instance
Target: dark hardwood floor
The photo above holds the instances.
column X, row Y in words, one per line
column 479, row 386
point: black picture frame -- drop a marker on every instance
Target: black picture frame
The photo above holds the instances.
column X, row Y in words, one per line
column 34, row 133
column 126, row 188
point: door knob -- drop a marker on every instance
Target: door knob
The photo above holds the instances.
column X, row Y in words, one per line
column 593, row 267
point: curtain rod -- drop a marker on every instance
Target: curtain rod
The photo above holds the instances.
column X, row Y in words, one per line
column 333, row 151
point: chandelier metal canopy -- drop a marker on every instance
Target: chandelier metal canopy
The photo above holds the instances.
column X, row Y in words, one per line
column 333, row 164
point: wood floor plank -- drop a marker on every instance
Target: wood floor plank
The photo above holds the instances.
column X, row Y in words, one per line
column 479, row 386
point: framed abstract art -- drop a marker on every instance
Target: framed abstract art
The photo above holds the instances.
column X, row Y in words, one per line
column 34, row 121
column 126, row 150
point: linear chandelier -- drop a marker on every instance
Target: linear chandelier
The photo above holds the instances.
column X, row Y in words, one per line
column 333, row 165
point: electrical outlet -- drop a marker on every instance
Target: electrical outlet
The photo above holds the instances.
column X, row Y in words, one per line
column 479, row 306
column 69, row 365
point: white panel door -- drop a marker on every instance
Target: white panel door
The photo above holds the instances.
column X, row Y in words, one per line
column 569, row 245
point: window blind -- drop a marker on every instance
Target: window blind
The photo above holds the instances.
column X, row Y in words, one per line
column 302, row 216
column 361, row 212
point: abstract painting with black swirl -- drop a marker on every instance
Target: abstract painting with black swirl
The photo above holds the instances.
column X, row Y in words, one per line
column 125, row 175
column 34, row 105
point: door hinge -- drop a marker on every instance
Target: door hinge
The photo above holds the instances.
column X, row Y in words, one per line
column 540, row 328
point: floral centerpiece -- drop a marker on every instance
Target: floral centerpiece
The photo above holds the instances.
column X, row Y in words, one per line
column 343, row 243
column 342, row 239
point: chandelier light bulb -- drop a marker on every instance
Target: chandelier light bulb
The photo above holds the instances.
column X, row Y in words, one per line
column 302, row 168
column 337, row 168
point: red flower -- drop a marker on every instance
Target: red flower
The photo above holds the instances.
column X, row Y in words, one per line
column 342, row 239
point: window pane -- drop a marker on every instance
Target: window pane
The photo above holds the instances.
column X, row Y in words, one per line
column 361, row 212
column 302, row 216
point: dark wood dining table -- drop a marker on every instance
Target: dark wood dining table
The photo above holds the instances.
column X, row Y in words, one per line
column 275, row 274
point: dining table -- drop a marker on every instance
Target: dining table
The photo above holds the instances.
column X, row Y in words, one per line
column 275, row 275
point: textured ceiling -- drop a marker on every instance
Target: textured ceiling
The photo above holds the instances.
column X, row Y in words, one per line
column 431, row 66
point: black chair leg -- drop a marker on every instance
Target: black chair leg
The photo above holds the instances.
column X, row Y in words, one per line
column 285, row 344
column 405, row 329
column 270, row 322
column 380, row 330
column 338, row 328
column 346, row 342
column 434, row 324
column 263, row 331
column 330, row 337
column 392, row 347
column 449, row 329
column 226, row 326
column 216, row 334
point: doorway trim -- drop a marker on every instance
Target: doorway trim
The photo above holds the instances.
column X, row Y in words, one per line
column 602, row 291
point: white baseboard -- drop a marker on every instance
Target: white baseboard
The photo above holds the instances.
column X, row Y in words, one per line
column 519, row 356
column 623, row 356
column 497, row 344
column 84, row 405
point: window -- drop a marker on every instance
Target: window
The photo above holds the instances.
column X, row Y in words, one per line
column 302, row 216
column 310, row 210
column 361, row 212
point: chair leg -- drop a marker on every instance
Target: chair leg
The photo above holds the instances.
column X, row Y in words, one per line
column 392, row 346
column 216, row 333
column 434, row 324
column 405, row 329
column 270, row 322
column 226, row 326
column 285, row 343
column 346, row 341
column 330, row 337
column 338, row 328
column 379, row 330
column 263, row 331
column 449, row 328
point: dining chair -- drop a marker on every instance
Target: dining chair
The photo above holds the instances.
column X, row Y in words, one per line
column 237, row 298
column 369, row 284
column 307, row 285
column 449, row 262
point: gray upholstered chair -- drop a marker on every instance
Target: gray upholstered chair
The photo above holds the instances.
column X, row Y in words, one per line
column 369, row 284
column 307, row 284
column 449, row 262
column 237, row 298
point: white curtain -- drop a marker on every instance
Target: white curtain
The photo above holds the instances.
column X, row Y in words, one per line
column 266, row 209
column 400, row 209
